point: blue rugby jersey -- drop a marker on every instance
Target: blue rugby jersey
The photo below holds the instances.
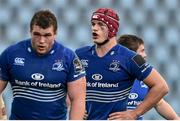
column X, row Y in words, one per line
column 109, row 79
column 39, row 83
column 137, row 94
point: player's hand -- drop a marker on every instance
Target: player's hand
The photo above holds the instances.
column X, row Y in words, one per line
column 85, row 115
column 124, row 115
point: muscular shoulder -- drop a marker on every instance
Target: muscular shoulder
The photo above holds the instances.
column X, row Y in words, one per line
column 125, row 52
column 64, row 49
column 83, row 50
column 65, row 52
column 17, row 47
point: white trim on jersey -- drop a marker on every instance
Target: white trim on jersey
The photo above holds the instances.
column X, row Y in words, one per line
column 107, row 97
column 38, row 94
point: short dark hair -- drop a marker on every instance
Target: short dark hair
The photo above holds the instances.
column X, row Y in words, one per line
column 132, row 42
column 44, row 19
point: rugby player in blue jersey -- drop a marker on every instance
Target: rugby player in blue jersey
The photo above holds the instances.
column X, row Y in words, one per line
column 42, row 72
column 139, row 89
column 111, row 69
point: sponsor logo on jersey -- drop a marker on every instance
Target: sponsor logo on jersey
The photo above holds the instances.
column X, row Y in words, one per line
column 19, row 61
column 77, row 65
column 133, row 96
column 143, row 85
column 133, row 104
column 58, row 65
column 37, row 76
column 97, row 77
column 114, row 66
column 84, row 62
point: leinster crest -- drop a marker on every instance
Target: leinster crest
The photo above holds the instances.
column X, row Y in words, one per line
column 58, row 66
column 114, row 66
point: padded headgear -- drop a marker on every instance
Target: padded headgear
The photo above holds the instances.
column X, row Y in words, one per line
column 109, row 17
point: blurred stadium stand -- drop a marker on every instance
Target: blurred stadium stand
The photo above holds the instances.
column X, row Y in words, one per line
column 156, row 21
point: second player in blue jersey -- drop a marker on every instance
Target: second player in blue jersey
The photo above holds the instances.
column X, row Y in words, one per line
column 111, row 69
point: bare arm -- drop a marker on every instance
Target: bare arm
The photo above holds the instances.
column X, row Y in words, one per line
column 158, row 88
column 165, row 110
column 77, row 94
column 2, row 109
column 2, row 85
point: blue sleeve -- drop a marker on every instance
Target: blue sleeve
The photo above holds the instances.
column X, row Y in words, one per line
column 76, row 69
column 139, row 68
column 4, row 67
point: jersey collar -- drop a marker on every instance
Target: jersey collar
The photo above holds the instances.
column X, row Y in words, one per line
column 52, row 51
column 111, row 52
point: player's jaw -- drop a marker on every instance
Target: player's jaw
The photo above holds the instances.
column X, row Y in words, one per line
column 98, row 38
column 99, row 32
column 141, row 51
column 42, row 39
column 41, row 48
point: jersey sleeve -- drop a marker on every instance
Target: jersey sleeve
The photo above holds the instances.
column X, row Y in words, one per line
column 4, row 73
column 76, row 69
column 139, row 68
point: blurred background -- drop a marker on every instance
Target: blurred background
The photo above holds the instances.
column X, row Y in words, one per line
column 156, row 21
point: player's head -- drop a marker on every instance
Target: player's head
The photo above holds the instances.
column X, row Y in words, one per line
column 44, row 19
column 104, row 20
column 133, row 43
column 43, row 28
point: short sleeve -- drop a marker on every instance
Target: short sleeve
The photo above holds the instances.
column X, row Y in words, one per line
column 76, row 69
column 4, row 73
column 139, row 68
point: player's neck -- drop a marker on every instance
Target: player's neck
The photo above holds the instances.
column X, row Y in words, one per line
column 103, row 49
